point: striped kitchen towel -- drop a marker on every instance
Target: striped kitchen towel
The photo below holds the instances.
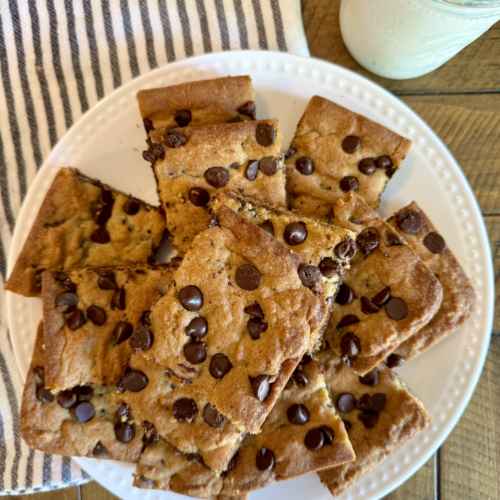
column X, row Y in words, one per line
column 58, row 58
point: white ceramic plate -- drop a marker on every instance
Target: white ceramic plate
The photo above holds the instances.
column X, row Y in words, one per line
column 107, row 143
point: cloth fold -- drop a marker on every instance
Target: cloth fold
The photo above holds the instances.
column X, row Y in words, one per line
column 58, row 58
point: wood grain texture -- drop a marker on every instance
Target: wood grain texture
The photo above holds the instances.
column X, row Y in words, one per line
column 66, row 494
column 419, row 487
column 493, row 228
column 474, row 69
column 94, row 491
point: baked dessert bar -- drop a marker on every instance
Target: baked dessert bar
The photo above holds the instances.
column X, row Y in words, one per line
column 84, row 223
column 81, row 422
column 379, row 413
column 202, row 328
column 205, row 102
column 334, row 151
column 192, row 165
column 458, row 294
column 387, row 295
column 90, row 315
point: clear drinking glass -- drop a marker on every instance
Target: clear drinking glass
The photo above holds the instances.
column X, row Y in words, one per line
column 409, row 38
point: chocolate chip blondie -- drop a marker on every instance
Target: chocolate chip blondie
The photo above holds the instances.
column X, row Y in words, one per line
column 91, row 317
column 192, row 165
column 335, row 151
column 387, row 295
column 81, row 421
column 379, row 413
column 235, row 272
column 458, row 294
column 205, row 102
column 84, row 223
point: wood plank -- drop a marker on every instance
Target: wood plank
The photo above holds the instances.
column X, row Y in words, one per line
column 94, row 491
column 493, row 228
column 65, row 494
column 475, row 68
column 469, row 460
column 419, row 487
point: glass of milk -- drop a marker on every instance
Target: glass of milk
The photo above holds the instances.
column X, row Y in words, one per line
column 409, row 38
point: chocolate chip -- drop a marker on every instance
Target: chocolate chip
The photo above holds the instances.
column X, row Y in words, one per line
column 268, row 227
column 396, row 308
column 261, row 387
column 40, row 371
column 191, row 298
column 182, row 117
column 367, row 166
column 314, row 439
column 310, row 276
column 349, row 183
column 365, row 403
column 124, row 432
column 213, row 417
column 368, row 307
column 103, row 215
column 347, row 424
column 350, row 344
column 328, row 267
column 146, row 480
column 66, row 399
column 141, row 340
column 84, row 392
column 298, row 414
column 306, row 358
column 219, row 365
column 134, row 381
column 346, row 402
column 185, row 410
column 256, row 327
column 351, row 144
column 384, row 161
column 217, row 176
column 255, row 310
column 328, row 434
column 382, row 297
column 66, row 283
column 369, row 419
column 150, row 437
column 410, row 221
column 100, row 235
column 390, row 172
column 174, row 139
column 148, row 125
column 236, row 119
column 123, row 412
column 195, row 352
column 234, row 165
column 269, row 165
column 291, row 151
column 213, row 221
column 392, row 239
column 435, row 243
column 107, row 197
column 371, row 378
column 305, row 165
column 300, row 378
column 194, row 457
column 199, row 197
column 97, row 315
column 394, row 360
column 68, row 299
column 345, row 295
column 76, row 320
column 378, row 401
column 247, row 277
column 157, row 150
column 345, row 249
column 131, row 206
column 295, row 233
column 123, row 330
column 231, row 464
column 107, row 282
column 355, row 220
column 84, row 412
column 248, row 109
column 252, row 169
column 264, row 459
column 368, row 240
column 99, row 450
column 44, row 395
column 197, row 328
column 348, row 319
column 265, row 134
column 118, row 299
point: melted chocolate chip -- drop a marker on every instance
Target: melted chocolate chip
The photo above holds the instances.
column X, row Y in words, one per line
column 174, row 139
column 265, row 134
column 382, row 297
column 148, row 125
column 251, row 170
column 217, row 176
column 195, row 352
column 369, row 419
column 367, row 166
column 384, row 161
column 213, row 221
column 435, row 243
column 150, row 437
column 199, row 197
column 84, row 412
column 182, row 117
column 392, row 239
column 291, row 151
column 268, row 227
column 197, row 328
column 368, row 307
column 410, row 221
column 131, row 207
column 394, row 360
column 396, row 308
column 97, row 315
column 345, row 295
column 255, row 310
column 298, row 414
column 76, row 320
column 368, row 240
column 256, row 327
column 304, row 165
column 84, row 392
column 345, row 249
column 269, row 165
column 100, row 235
column 44, row 395
column 365, row 403
column 351, row 144
column 247, row 277
column 261, row 387
column 124, row 432
column 66, row 283
column 346, row 402
column 347, row 424
column 310, row 276
column 300, row 378
column 378, row 401
column 118, row 299
column 99, row 449
column 248, row 109
column 141, row 340
column 219, row 365
column 328, row 434
column 349, row 183
column 134, row 381
column 68, row 299
column 264, row 459
column 123, row 412
column 347, row 320
column 295, row 233
column 185, row 410
column 107, row 282
column 103, row 215
column 390, row 172
column 123, row 330
column 190, row 298
column 66, row 399
column 213, row 417
column 350, row 344
column 314, row 439
column 328, row 267
column 371, row 378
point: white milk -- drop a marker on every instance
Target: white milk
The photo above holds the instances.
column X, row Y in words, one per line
column 408, row 38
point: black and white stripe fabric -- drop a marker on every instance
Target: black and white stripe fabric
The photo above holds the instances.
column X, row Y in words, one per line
column 58, row 58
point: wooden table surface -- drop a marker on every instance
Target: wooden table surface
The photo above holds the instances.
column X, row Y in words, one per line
column 461, row 102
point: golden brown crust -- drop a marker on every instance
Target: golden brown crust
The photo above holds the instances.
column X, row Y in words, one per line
column 60, row 238
column 458, row 294
column 90, row 354
column 183, row 168
column 402, row 417
column 395, row 266
column 53, row 429
column 209, row 101
column 319, row 137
